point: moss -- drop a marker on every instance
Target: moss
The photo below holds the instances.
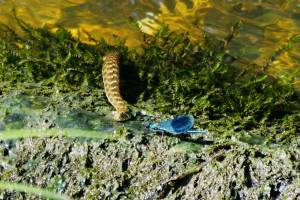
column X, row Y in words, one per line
column 173, row 73
column 182, row 76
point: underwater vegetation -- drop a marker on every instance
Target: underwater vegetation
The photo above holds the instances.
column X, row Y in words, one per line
column 169, row 74
column 251, row 150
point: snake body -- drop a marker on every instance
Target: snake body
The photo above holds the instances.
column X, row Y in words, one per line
column 111, row 80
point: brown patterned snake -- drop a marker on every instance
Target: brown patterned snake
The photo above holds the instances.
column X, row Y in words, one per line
column 111, row 80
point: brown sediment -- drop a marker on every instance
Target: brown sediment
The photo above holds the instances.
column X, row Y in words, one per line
column 111, row 80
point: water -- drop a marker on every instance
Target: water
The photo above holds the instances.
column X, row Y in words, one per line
column 266, row 25
column 24, row 115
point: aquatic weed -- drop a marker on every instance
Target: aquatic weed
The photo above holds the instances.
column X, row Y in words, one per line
column 184, row 76
column 170, row 73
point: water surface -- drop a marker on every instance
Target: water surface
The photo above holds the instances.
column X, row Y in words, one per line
column 267, row 25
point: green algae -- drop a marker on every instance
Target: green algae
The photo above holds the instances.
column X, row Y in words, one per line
column 32, row 190
column 186, row 77
column 11, row 134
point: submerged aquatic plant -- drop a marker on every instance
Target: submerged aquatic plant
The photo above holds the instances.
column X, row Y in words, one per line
column 51, row 58
column 182, row 76
column 201, row 78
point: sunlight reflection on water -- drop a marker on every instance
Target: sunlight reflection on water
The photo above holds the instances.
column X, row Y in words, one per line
column 267, row 25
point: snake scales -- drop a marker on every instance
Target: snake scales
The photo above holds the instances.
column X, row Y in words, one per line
column 111, row 80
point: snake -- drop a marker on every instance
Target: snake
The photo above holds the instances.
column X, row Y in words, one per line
column 111, row 81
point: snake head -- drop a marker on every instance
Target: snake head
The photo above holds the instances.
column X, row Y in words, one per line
column 121, row 116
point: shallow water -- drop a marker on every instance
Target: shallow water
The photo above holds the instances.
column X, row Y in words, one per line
column 24, row 116
column 266, row 25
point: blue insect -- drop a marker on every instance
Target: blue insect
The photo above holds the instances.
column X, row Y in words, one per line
column 179, row 125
